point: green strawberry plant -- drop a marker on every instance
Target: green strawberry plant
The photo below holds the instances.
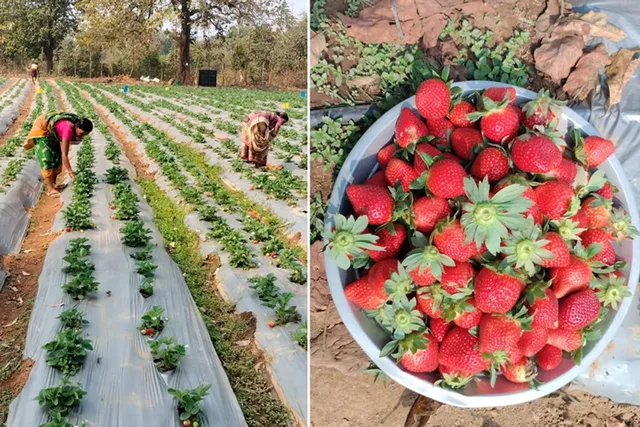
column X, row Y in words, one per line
column 153, row 320
column 73, row 318
column 68, row 351
column 285, row 313
column 112, row 152
column 146, row 268
column 62, row 398
column 116, row 175
column 77, row 216
column 77, row 264
column 60, row 420
column 81, row 286
column 300, row 335
column 134, row 234
column 265, row 287
column 143, row 255
column 146, row 288
column 189, row 402
column 166, row 353
column 79, row 247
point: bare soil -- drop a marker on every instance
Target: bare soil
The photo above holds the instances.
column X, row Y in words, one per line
column 23, row 114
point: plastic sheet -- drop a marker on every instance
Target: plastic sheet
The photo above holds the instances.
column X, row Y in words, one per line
column 123, row 385
column 9, row 114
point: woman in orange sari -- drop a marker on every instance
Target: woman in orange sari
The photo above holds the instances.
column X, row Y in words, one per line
column 258, row 129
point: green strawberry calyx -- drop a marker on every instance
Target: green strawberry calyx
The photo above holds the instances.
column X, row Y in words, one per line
column 457, row 304
column 536, row 291
column 621, row 226
column 496, row 360
column 612, row 290
column 403, row 318
column 348, row 240
column 524, row 249
column 578, row 150
column 410, row 343
column 595, row 183
column 453, row 380
column 545, row 103
column 399, row 284
column 488, row 219
column 426, row 256
column 568, row 229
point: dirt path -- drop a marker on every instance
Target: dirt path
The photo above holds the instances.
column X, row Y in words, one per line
column 25, row 111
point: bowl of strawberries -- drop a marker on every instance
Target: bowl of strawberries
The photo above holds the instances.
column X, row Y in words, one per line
column 479, row 243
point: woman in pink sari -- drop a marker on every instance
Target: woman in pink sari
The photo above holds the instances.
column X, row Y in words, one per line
column 258, row 129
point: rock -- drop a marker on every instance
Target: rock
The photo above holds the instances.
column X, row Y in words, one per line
column 623, row 64
column 558, row 54
column 318, row 45
column 583, row 79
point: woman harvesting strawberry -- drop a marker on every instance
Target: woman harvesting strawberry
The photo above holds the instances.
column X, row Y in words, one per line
column 258, row 130
column 489, row 254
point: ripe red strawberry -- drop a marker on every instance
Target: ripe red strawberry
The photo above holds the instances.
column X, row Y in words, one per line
column 458, row 352
column 422, row 279
column 497, row 94
column 427, row 211
column 446, row 179
column 399, row 170
column 464, row 141
column 559, row 248
column 440, row 128
column 389, row 242
column 427, row 148
column 385, row 155
column 149, row 331
column 542, row 110
column 410, row 128
column 448, row 237
column 606, row 191
column 112, row 206
column 454, row 378
column 519, row 111
column 533, row 210
column 554, row 198
column 423, row 360
column 522, row 371
column 566, row 171
column 498, row 332
column 491, row 162
column 593, row 150
column 544, row 311
column 535, row 153
column 359, row 292
column 573, row 277
column 373, row 201
column 578, row 310
column 457, row 277
column 496, row 292
column 439, row 328
column 500, row 125
column 533, row 341
column 549, row 357
column 377, row 179
column 471, row 318
column 458, row 114
column 580, row 218
column 565, row 339
column 430, row 300
column 68, row 229
column 433, row 99
column 601, row 237
column 598, row 211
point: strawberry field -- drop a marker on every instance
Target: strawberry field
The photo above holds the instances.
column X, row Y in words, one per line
column 166, row 242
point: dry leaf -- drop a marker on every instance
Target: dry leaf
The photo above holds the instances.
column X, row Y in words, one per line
column 558, row 54
column 11, row 324
column 318, row 45
column 24, row 273
column 583, row 78
column 619, row 72
column 28, row 251
column 20, row 301
column 600, row 28
column 14, row 289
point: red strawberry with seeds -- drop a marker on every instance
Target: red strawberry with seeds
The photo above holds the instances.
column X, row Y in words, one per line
column 549, row 357
column 592, row 151
column 606, row 191
column 440, row 127
column 427, row 211
column 410, row 128
column 433, row 99
column 558, row 248
column 566, row 171
column 456, row 277
column 149, row 331
column 458, row 114
column 565, row 339
column 428, row 149
column 498, row 332
column 542, row 110
column 597, row 211
column 385, row 155
column 423, row 360
column 424, row 278
column 399, row 170
column 535, row 153
column 471, row 318
column 554, row 198
column 522, row 371
column 601, row 237
column 578, row 310
column 449, row 238
column 464, row 141
column 390, row 242
column 446, row 179
column 491, row 162
column 573, row 277
column 373, row 201
column 378, row 179
column 458, row 352
column 500, row 124
column 544, row 310
column 496, row 292
column 359, row 292
column 430, row 300
column 533, row 341
column 497, row 94
column 439, row 328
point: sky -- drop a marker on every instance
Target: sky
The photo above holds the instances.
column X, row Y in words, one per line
column 299, row 6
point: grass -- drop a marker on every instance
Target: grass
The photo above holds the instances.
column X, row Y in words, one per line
column 259, row 405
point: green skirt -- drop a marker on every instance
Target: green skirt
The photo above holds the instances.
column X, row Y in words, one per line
column 49, row 155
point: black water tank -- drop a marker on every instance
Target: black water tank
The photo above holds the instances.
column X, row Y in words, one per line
column 207, row 78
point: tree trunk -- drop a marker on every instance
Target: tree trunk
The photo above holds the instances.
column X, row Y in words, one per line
column 184, row 41
column 246, row 68
column 90, row 63
column 48, row 54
